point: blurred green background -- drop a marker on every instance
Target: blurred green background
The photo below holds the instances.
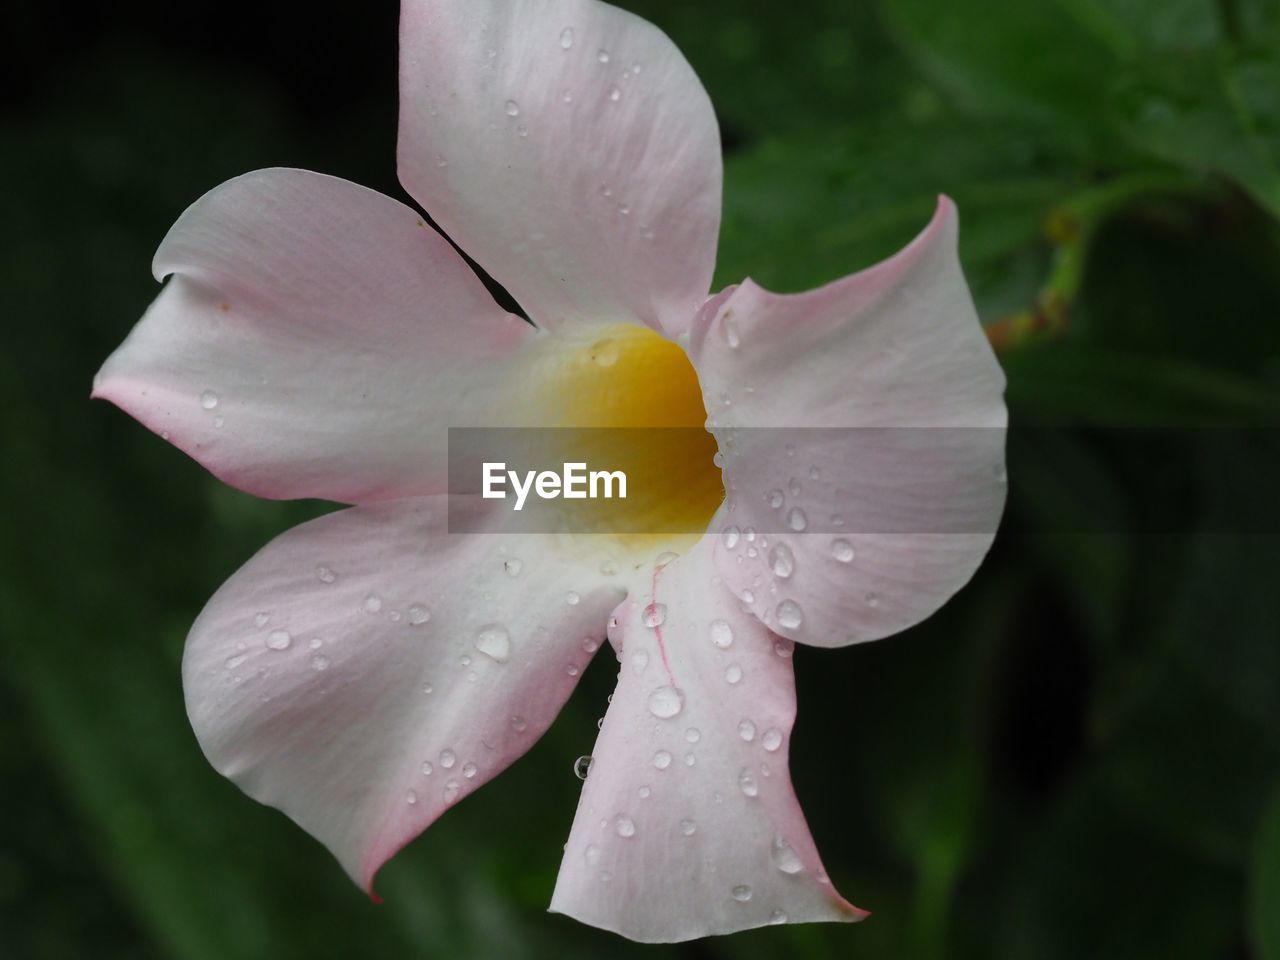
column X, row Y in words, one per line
column 1079, row 757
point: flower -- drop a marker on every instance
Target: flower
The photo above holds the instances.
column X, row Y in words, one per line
column 367, row 670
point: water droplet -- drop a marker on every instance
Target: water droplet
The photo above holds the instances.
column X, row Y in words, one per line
column 784, row 647
column 784, row 858
column 842, row 550
column 428, row 689
column 519, row 724
column 747, row 783
column 664, row 558
column 411, row 797
column 615, row 94
column 464, row 661
column 624, row 826
column 325, row 574
column 747, row 730
column 315, row 643
column 748, row 597
column 208, row 400
column 644, row 792
column 572, row 598
column 731, row 536
column 591, row 855
column 693, row 735
column 418, row 614
column 781, row 561
column 590, row 645
column 721, row 634
column 742, row 893
column 665, row 703
column 427, row 768
column 772, row 739
column 604, row 352
column 873, row 600
column 774, row 498
column 789, row 614
column 566, row 38
column 639, row 660
column 320, row 663
column 690, row 759
column 733, row 673
column 469, row 770
column 582, row 767
column 513, row 566
column 662, row 759
column 448, row 758
column 603, row 56
column 687, row 827
column 372, row 603
column 451, row 789
column 260, row 619
column 837, row 520
column 513, row 108
column 279, row 639
column 777, row 917
column 219, row 421
column 730, row 329
column 796, row 519
column 237, row 660
column 494, row 642
column 654, row 615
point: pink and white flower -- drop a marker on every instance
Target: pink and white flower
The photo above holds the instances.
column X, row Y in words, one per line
column 367, row 670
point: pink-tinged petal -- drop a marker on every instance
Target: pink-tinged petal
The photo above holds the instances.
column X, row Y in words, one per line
column 367, row 670
column 570, row 149
column 688, row 824
column 315, row 339
column 867, row 524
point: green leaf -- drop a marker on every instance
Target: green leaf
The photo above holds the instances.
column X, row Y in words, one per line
column 1265, row 894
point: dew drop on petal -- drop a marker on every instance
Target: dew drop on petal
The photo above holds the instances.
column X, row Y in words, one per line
column 771, row 740
column 279, row 639
column 624, row 826
column 781, row 561
column 566, row 38
column 784, row 647
column 448, row 758
column 693, row 735
column 582, row 767
column 427, row 768
column 778, row 917
column 731, row 536
column 411, row 797
column 469, row 770
column 591, row 855
column 372, row 603
column 873, row 600
column 747, row 730
column 639, row 660
column 789, row 614
column 687, row 827
column 721, row 634
column 662, row 759
column 418, row 614
column 797, row 520
column 615, row 94
column 747, row 783
column 494, row 642
column 519, row 724
column 512, row 108
column 208, row 400
column 784, row 858
column 842, row 550
column 742, row 893
column 450, row 793
column 260, row 619
column 654, row 615
column 512, row 566
column 774, row 498
column 325, row 574
column 603, row 56
column 572, row 598
column 320, row 663
column 665, row 702
column 733, row 673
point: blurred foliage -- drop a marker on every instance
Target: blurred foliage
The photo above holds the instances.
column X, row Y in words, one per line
column 1078, row 757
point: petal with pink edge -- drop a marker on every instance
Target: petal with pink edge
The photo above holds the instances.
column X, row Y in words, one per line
column 570, row 149
column 315, row 339
column 367, row 670
column 862, row 426
column 688, row 824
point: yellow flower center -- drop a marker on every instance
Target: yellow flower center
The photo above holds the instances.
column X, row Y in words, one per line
column 636, row 404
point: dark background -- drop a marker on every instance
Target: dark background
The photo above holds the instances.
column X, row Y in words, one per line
column 1077, row 758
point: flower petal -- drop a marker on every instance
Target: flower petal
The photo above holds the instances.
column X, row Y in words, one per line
column 688, row 824
column 366, row 670
column 315, row 340
column 866, row 525
column 568, row 147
